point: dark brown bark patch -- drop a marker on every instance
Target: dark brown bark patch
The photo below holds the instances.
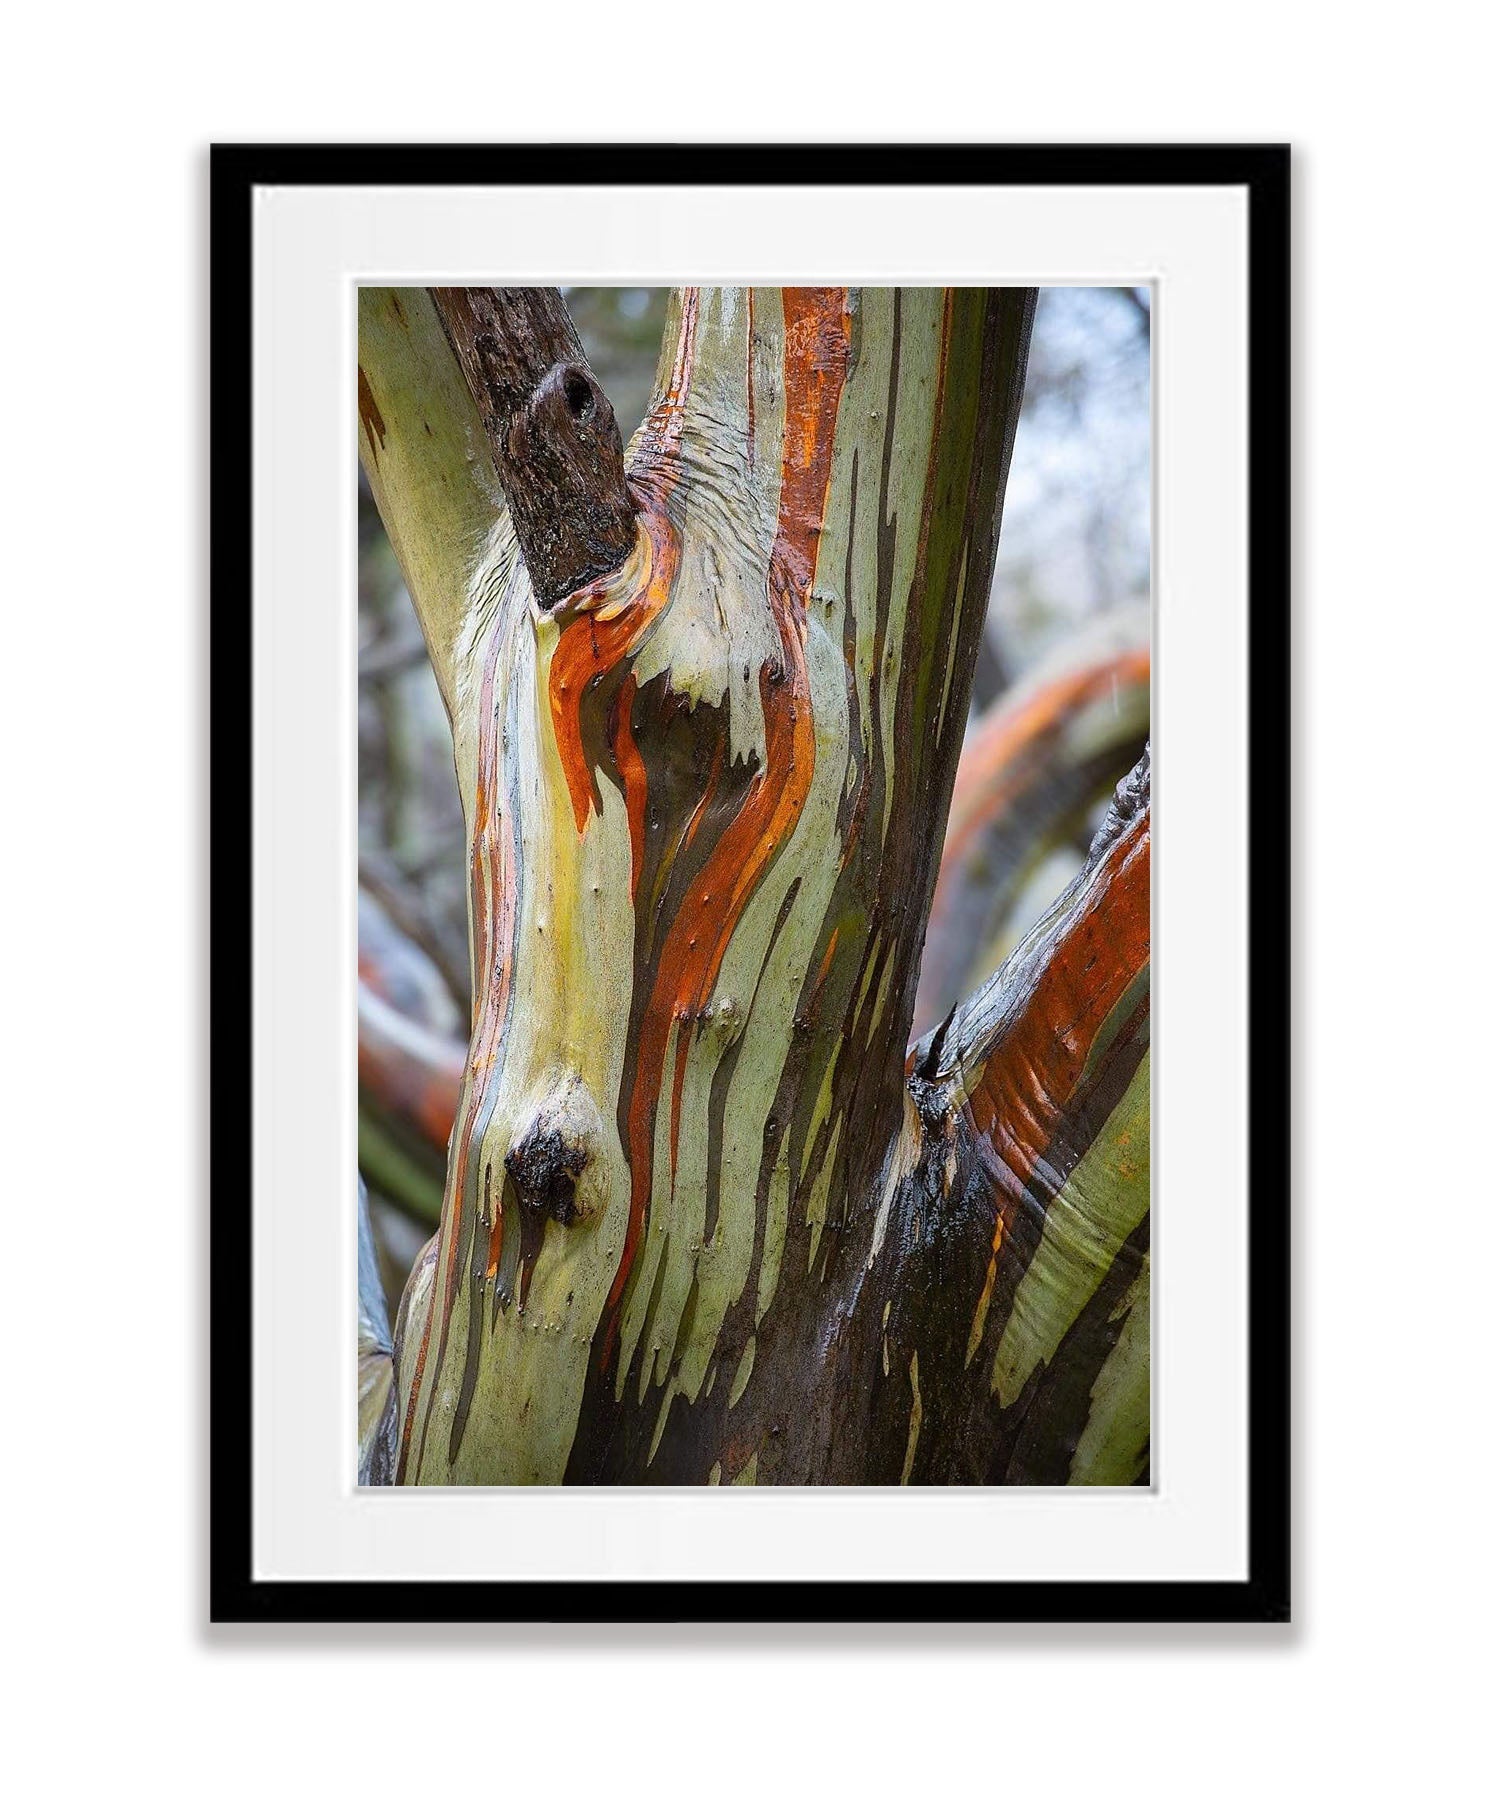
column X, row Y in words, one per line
column 545, row 1168
column 552, row 432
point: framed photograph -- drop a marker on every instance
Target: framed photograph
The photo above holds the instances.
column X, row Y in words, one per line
column 757, row 678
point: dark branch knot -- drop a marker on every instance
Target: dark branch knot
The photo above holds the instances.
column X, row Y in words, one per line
column 545, row 1167
column 552, row 430
column 566, row 407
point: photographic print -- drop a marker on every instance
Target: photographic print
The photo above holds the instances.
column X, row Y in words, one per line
column 725, row 637
column 754, row 1038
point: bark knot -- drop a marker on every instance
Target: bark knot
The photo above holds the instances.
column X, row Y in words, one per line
column 551, row 429
column 545, row 1167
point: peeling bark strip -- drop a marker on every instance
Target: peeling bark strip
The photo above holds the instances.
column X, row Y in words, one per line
column 551, row 430
column 702, row 1222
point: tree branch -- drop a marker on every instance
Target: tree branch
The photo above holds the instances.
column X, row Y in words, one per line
column 1030, row 775
column 551, row 429
column 1033, row 1316
column 424, row 452
column 1085, row 959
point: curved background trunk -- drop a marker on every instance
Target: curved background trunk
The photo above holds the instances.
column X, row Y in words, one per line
column 1034, row 770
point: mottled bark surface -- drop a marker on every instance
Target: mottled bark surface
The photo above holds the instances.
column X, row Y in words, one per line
column 705, row 1220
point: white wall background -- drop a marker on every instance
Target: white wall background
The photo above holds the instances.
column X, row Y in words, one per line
column 1384, row 1685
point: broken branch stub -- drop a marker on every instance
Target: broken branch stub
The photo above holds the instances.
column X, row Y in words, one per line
column 552, row 432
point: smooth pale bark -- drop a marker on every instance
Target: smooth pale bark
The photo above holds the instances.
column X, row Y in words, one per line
column 427, row 459
column 702, row 1221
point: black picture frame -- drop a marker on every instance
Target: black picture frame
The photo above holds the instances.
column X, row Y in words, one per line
column 1263, row 172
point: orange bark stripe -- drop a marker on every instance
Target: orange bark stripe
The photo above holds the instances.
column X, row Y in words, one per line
column 1033, row 1071
column 816, row 359
column 590, row 645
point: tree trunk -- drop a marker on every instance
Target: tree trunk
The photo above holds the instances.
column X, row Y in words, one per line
column 705, row 1220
